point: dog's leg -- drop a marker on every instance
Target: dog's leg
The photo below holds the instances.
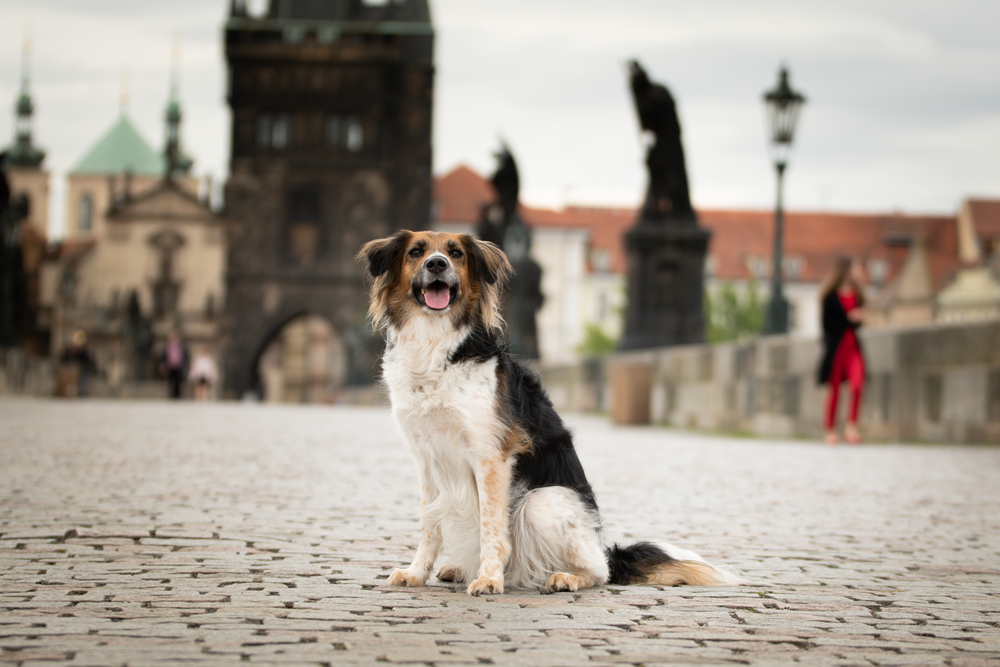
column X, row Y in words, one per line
column 492, row 484
column 584, row 563
column 430, row 544
column 557, row 523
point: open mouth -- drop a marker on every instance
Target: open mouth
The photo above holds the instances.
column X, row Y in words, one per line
column 438, row 295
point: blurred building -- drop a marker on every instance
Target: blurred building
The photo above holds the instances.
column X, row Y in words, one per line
column 22, row 225
column 920, row 268
column 975, row 292
column 142, row 253
column 331, row 147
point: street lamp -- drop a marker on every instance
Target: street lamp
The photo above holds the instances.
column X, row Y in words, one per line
column 782, row 106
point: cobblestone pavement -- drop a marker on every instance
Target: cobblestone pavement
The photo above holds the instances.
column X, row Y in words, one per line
column 214, row 534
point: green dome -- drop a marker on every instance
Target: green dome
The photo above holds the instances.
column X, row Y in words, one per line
column 121, row 150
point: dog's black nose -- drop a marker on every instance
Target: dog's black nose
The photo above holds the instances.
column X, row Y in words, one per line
column 436, row 264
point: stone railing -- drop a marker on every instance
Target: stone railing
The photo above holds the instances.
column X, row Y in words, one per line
column 936, row 383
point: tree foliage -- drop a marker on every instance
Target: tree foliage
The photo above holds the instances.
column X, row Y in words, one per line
column 732, row 315
column 596, row 342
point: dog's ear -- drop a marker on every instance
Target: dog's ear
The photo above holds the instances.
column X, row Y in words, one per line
column 382, row 254
column 489, row 263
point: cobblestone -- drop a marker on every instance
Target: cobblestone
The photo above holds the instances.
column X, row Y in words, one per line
column 153, row 534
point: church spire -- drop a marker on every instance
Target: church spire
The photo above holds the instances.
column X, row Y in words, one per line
column 176, row 163
column 23, row 153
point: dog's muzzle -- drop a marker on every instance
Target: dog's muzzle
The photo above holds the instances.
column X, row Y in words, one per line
column 437, row 284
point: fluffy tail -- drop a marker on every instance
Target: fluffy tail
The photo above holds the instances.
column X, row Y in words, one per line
column 648, row 563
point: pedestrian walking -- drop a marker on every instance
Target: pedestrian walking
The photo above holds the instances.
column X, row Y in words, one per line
column 203, row 373
column 842, row 298
column 79, row 357
column 174, row 363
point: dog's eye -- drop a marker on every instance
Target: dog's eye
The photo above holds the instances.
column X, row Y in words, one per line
column 416, row 252
column 456, row 253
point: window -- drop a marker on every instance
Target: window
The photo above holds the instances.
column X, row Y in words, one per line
column 878, row 270
column 793, row 267
column 302, row 229
column 85, row 214
column 600, row 260
column 355, row 138
column 333, row 131
column 264, row 130
column 345, row 132
column 273, row 130
column 709, row 266
column 757, row 267
column 279, row 132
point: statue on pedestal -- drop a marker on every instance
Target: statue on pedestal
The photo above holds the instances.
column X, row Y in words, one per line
column 666, row 248
column 502, row 225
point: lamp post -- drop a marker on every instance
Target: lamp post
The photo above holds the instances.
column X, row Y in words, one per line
column 782, row 106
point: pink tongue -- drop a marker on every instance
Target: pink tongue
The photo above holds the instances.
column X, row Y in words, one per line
column 437, row 298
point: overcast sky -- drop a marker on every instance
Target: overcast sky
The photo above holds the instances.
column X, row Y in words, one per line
column 903, row 107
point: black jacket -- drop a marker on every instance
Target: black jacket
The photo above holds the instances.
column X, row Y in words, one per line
column 835, row 324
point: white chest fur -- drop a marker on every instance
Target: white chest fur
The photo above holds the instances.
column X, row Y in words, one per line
column 434, row 400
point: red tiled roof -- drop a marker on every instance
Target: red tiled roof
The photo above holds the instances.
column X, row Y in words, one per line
column 985, row 216
column 818, row 238
column 459, row 196
column 815, row 238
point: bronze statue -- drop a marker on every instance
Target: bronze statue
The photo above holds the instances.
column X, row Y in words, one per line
column 497, row 217
column 666, row 248
column 667, row 196
column 502, row 225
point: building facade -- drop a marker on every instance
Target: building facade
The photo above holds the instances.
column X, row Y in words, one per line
column 143, row 254
column 331, row 147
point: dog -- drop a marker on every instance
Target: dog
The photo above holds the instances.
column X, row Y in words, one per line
column 503, row 496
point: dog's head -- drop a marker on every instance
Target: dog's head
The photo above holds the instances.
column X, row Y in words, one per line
column 434, row 274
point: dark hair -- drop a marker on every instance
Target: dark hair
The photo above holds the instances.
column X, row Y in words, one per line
column 839, row 274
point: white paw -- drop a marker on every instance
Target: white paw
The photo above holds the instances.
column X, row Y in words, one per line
column 486, row 585
column 402, row 577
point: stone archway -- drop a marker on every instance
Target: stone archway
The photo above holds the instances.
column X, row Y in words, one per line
column 247, row 338
column 303, row 361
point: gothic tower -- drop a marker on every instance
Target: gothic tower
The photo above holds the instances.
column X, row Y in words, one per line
column 331, row 146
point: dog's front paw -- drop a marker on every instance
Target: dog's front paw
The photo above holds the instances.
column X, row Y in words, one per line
column 487, row 585
column 402, row 577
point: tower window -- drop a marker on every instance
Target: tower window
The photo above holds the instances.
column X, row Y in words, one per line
column 273, row 130
column 355, row 134
column 333, row 130
column 345, row 132
column 279, row 133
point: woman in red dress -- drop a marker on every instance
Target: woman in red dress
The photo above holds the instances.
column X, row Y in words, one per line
column 843, row 301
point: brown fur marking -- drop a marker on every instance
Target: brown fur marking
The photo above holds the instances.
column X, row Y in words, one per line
column 684, row 572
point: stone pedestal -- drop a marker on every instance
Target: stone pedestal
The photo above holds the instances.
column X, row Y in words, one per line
column 666, row 263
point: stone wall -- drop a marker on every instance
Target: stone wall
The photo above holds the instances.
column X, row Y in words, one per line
column 934, row 383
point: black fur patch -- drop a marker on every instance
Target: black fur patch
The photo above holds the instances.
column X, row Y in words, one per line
column 479, row 346
column 630, row 565
column 552, row 460
column 387, row 257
